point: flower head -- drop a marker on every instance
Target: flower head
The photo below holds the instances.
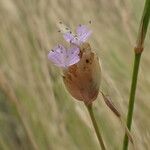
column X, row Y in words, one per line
column 80, row 65
column 82, row 34
column 63, row 57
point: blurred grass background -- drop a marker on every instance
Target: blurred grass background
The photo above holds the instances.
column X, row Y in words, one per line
column 36, row 112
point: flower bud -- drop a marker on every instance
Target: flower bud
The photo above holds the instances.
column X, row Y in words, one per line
column 82, row 79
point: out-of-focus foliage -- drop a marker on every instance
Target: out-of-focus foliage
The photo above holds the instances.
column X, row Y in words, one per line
column 36, row 112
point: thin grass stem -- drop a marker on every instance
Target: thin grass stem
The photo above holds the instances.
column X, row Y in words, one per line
column 97, row 131
column 132, row 97
column 138, row 51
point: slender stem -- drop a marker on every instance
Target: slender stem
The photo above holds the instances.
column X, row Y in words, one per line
column 97, row 131
column 138, row 51
column 132, row 97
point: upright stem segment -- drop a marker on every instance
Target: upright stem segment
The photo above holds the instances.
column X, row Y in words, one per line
column 132, row 97
column 90, row 110
column 138, row 51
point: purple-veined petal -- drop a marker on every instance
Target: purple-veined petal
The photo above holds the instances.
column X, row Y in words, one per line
column 73, row 60
column 73, row 56
column 57, row 56
column 83, row 33
column 85, row 36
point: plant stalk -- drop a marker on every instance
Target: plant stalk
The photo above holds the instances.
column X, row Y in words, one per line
column 138, row 51
column 132, row 97
column 97, row 131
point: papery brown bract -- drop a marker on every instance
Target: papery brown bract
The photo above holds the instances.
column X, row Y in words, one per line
column 82, row 80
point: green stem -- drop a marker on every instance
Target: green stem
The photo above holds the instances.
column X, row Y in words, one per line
column 132, row 97
column 138, row 51
column 90, row 110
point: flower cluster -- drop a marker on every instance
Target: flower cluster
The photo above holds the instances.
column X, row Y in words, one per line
column 80, row 65
column 65, row 57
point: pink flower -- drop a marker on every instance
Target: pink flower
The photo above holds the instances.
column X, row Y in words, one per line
column 82, row 34
column 63, row 57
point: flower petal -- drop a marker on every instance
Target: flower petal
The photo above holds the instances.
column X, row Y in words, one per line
column 83, row 33
column 73, row 56
column 57, row 56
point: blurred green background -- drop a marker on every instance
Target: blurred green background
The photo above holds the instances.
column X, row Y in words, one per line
column 36, row 111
